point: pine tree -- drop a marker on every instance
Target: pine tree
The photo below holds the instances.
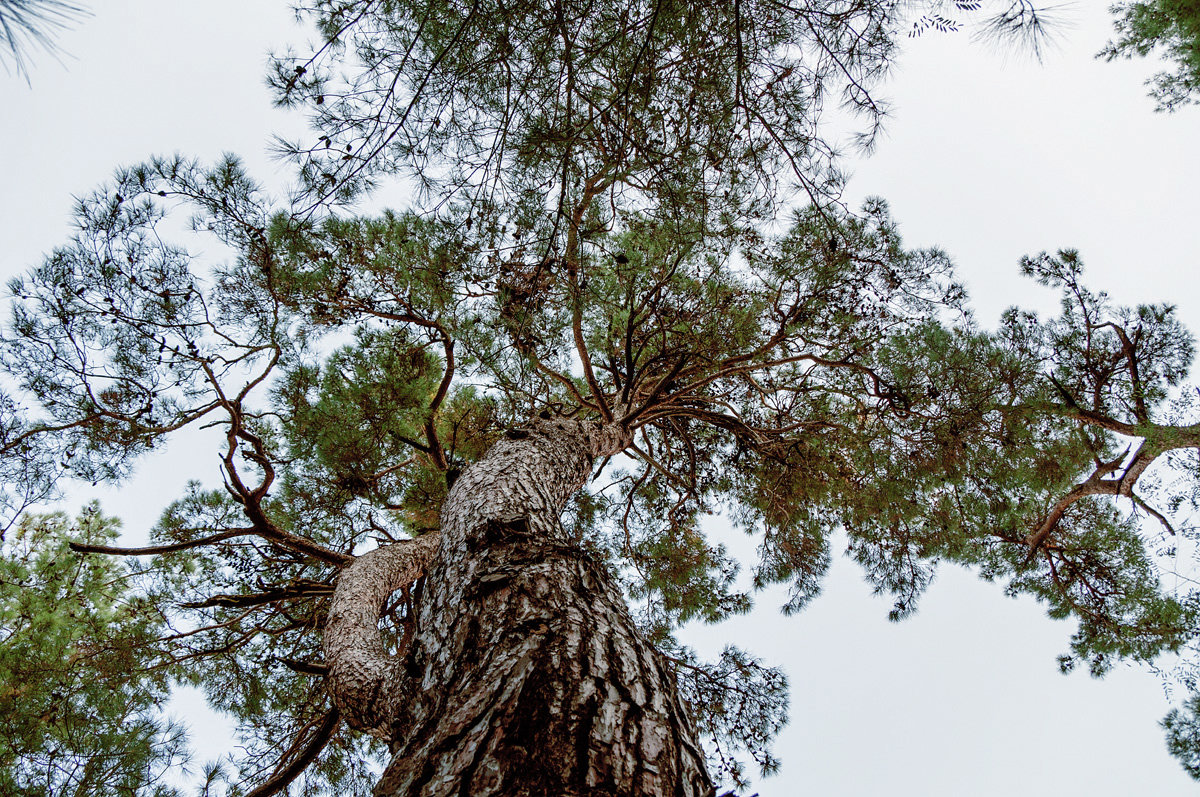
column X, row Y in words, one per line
column 31, row 24
column 489, row 425
column 74, row 632
column 1169, row 26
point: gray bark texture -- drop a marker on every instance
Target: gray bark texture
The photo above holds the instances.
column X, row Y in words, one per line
column 525, row 674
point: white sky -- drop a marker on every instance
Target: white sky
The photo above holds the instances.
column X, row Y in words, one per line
column 989, row 156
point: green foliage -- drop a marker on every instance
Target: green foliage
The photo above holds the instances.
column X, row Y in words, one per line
column 672, row 571
column 368, row 398
column 603, row 237
column 29, row 467
column 738, row 705
column 510, row 103
column 31, row 24
column 1183, row 735
column 355, row 419
column 80, row 687
column 1172, row 26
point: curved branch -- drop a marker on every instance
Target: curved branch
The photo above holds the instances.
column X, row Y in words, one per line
column 251, row 499
column 281, row 778
column 1096, row 484
column 364, row 678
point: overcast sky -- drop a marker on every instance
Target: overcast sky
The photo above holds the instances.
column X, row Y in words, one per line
column 989, row 155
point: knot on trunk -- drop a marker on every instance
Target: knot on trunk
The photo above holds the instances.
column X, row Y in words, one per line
column 366, row 682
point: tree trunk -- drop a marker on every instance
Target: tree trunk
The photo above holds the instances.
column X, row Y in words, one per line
column 526, row 674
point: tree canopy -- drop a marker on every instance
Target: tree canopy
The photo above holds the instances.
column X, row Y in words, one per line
column 77, row 722
column 1172, row 26
column 605, row 229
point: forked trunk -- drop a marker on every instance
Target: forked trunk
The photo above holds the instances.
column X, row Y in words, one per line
column 526, row 674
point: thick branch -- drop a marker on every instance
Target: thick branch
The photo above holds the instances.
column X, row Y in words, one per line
column 304, row 667
column 363, row 677
column 1096, row 484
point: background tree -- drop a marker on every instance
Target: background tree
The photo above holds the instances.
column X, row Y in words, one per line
column 79, row 694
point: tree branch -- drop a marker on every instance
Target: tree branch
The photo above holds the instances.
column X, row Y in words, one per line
column 300, row 589
column 149, row 550
column 364, row 678
column 251, row 499
column 304, row 667
column 281, row 778
column 1096, row 484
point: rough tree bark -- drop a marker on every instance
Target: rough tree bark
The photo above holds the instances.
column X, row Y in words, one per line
column 525, row 674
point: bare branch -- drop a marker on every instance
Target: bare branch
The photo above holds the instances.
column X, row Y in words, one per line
column 151, row 550
column 363, row 677
column 282, row 777
column 301, row 588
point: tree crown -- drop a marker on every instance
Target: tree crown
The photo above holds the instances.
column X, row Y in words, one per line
column 600, row 237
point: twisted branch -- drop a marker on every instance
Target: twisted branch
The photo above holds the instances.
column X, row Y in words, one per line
column 364, row 678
